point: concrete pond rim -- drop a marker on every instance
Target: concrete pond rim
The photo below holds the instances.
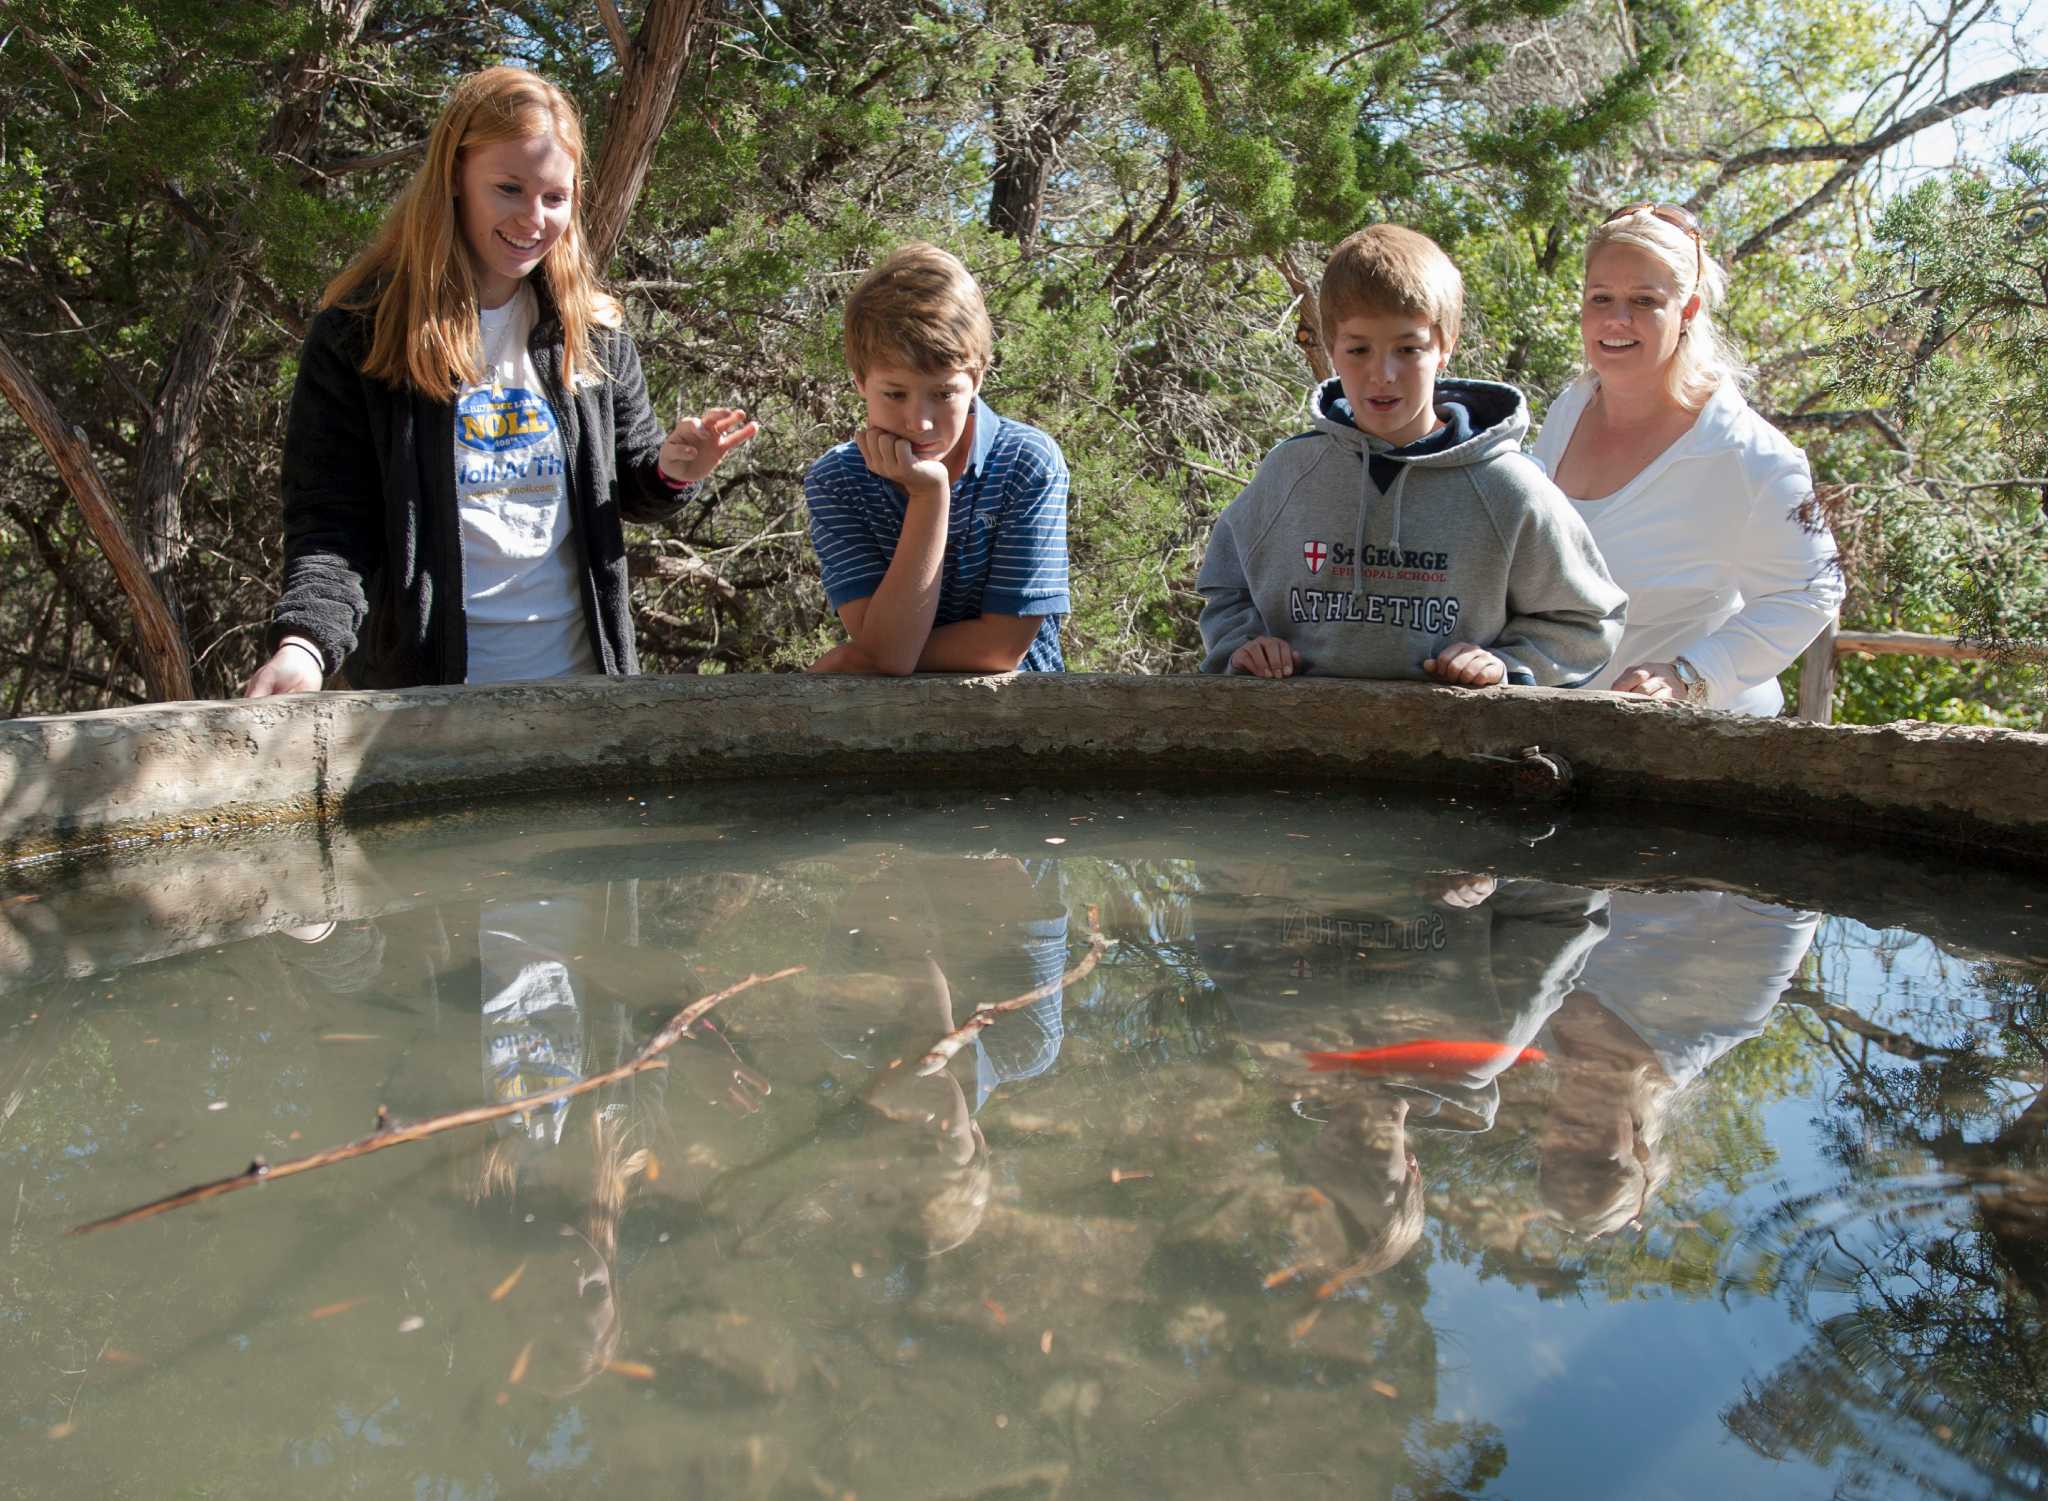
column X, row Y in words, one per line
column 80, row 785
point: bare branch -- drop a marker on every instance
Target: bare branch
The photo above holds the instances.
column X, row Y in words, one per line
column 1855, row 155
column 651, row 67
column 615, row 28
column 1842, row 421
column 943, row 1050
column 65, row 671
column 389, row 1133
column 164, row 661
column 1898, row 1044
column 688, row 569
column 1308, row 326
column 329, row 171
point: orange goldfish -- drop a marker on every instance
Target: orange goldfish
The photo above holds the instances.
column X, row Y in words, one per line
column 1421, row 1057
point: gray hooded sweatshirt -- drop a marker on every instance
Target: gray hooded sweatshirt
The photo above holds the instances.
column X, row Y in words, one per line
column 1467, row 541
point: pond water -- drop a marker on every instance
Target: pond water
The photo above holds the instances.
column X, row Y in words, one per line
column 1389, row 1147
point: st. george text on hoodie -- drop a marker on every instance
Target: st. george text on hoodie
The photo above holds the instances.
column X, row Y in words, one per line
column 1371, row 559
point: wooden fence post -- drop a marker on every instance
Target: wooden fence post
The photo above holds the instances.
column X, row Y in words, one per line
column 1817, row 678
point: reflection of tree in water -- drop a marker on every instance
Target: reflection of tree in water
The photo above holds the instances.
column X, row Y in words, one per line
column 1936, row 1243
column 1488, row 1215
column 1926, row 1316
column 1196, row 1096
column 1146, row 911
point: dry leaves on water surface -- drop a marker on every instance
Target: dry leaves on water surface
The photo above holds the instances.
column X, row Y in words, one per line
column 332, row 1310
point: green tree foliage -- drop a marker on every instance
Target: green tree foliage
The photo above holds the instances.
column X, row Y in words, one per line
column 1943, row 335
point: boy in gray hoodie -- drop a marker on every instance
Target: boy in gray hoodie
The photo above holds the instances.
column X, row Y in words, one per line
column 1406, row 536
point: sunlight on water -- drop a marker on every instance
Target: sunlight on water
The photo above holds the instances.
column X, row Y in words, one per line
column 1334, row 1145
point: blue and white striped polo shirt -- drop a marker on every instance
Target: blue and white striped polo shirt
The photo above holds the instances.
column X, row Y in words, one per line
column 1006, row 532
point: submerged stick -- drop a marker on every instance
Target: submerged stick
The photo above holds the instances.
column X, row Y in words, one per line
column 943, row 1050
column 393, row 1134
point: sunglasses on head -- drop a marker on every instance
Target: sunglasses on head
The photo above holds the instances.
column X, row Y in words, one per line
column 1677, row 217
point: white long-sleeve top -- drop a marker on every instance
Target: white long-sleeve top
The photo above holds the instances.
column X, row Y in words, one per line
column 1708, row 542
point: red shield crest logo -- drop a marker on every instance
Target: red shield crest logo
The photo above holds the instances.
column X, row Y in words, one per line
column 1315, row 554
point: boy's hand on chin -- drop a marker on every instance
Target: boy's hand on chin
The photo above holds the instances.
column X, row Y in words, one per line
column 1463, row 665
column 893, row 459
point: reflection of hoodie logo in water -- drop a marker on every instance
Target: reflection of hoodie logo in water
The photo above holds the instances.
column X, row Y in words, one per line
column 1304, row 926
column 1315, row 554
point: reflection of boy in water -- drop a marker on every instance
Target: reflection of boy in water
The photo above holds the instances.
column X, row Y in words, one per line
column 1454, row 958
column 955, row 935
column 1361, row 1160
column 1684, row 978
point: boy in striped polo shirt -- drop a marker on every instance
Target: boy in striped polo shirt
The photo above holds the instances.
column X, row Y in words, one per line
column 941, row 529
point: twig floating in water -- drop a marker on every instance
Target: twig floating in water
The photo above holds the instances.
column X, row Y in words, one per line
column 390, row 1133
column 943, row 1050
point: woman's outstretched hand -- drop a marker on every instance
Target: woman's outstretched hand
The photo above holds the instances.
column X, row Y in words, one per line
column 291, row 669
column 697, row 445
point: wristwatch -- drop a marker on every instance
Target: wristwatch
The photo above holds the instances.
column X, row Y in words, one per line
column 1692, row 686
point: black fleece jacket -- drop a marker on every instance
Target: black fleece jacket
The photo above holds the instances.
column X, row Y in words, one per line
column 373, row 570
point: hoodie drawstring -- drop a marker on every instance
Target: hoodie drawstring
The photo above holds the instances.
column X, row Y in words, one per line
column 1393, row 499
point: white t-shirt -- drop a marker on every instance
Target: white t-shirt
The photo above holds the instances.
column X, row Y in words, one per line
column 523, row 594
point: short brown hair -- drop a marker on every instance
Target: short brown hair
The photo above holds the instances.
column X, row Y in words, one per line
column 919, row 308
column 1389, row 269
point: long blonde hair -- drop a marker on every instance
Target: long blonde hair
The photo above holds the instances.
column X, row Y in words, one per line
column 1704, row 358
column 416, row 271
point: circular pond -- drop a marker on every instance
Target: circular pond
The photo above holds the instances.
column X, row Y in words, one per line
column 1343, row 1142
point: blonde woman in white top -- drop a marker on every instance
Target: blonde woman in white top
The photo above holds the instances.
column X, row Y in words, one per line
column 1699, row 506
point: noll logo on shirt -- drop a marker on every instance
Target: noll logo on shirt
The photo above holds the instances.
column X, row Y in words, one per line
column 1315, row 554
column 498, row 421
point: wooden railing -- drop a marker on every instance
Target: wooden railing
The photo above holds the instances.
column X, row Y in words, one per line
column 1817, row 666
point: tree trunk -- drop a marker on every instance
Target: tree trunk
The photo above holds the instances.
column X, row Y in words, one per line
column 1016, row 199
column 165, row 662
column 1308, row 318
column 173, row 429
column 651, row 69
column 1029, row 130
